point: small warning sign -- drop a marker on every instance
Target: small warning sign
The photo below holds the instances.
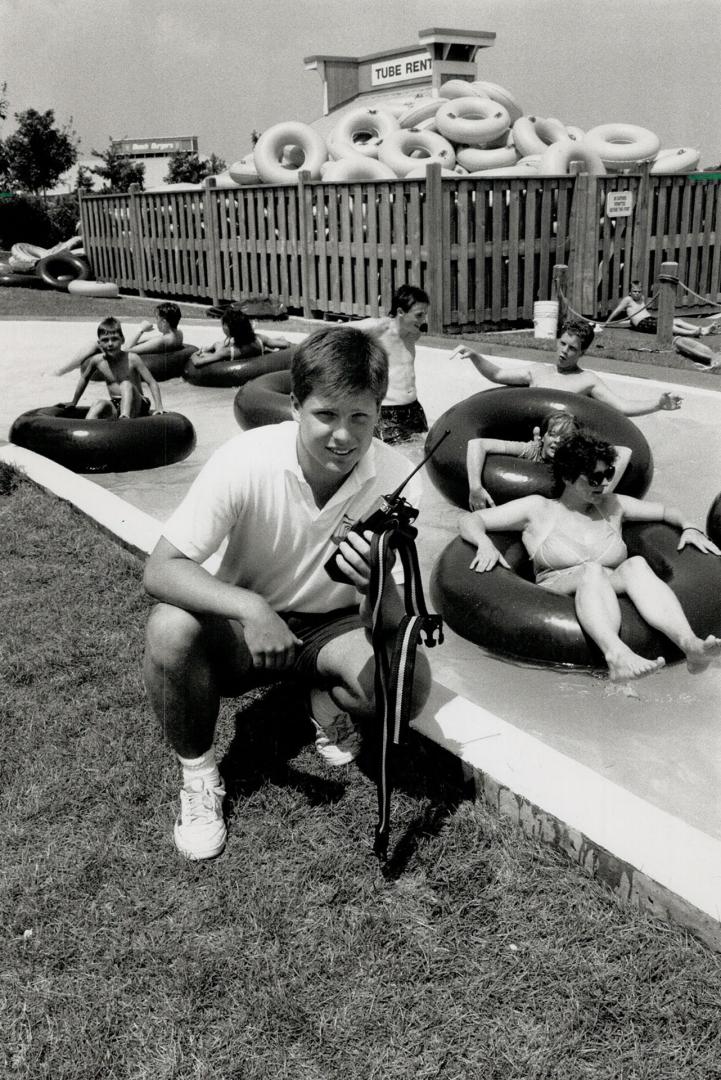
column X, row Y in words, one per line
column 619, row 204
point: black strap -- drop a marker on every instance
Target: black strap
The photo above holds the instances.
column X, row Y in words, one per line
column 394, row 674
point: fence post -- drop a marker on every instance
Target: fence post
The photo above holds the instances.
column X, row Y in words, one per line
column 305, row 221
column 212, row 251
column 135, row 221
column 583, row 258
column 434, row 247
column 559, row 291
column 668, row 282
column 639, row 250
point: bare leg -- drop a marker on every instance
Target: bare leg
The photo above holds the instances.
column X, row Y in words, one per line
column 130, row 400
column 348, row 665
column 660, row 607
column 599, row 614
column 687, row 329
column 190, row 661
column 101, row 410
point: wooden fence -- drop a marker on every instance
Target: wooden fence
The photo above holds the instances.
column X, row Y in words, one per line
column 483, row 249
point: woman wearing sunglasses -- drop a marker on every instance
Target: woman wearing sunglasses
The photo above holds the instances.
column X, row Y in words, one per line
column 577, row 549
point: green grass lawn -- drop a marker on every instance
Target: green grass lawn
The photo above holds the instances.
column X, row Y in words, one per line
column 478, row 954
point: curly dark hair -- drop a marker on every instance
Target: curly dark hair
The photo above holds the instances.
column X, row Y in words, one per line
column 578, row 456
column 580, row 329
column 237, row 326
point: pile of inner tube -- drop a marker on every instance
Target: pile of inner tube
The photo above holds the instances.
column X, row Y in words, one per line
column 505, row 612
column 511, row 413
column 238, row 372
column 472, row 128
column 63, row 434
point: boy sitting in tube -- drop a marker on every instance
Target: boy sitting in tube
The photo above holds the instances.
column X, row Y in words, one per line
column 124, row 373
column 162, row 336
column 542, row 447
column 568, row 374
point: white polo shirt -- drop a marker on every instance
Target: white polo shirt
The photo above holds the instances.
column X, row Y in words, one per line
column 253, row 492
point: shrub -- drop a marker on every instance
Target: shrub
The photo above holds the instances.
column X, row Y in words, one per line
column 32, row 220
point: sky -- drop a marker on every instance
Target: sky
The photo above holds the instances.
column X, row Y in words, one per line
column 220, row 68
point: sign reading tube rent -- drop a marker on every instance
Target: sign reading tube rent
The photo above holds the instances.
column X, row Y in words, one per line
column 619, row 204
column 400, row 69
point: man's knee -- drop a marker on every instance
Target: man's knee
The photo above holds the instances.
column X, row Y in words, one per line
column 171, row 636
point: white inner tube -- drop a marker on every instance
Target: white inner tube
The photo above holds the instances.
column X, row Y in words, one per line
column 556, row 160
column 475, row 160
column 550, row 130
column 361, row 130
column 356, row 167
column 240, row 172
column 472, row 120
column 622, row 143
column 421, row 113
column 499, row 94
column 419, row 172
column 680, row 159
column 402, row 150
column 458, row 88
column 509, row 170
column 268, row 153
column 525, row 137
column 93, row 288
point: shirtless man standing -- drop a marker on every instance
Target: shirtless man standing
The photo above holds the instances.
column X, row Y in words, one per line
column 567, row 374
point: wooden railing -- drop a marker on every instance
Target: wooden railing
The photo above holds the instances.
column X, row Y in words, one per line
column 483, row 249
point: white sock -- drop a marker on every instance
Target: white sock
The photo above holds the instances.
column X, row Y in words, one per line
column 201, row 768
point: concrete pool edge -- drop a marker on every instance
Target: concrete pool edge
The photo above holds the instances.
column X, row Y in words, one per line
column 645, row 855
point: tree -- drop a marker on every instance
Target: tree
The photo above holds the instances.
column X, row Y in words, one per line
column 38, row 152
column 118, row 171
column 185, row 167
column 84, row 180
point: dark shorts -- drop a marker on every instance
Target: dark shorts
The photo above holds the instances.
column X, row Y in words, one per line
column 647, row 325
column 399, row 422
column 315, row 631
column 144, row 406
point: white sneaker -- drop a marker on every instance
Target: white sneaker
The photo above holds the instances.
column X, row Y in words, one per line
column 200, row 829
column 337, row 740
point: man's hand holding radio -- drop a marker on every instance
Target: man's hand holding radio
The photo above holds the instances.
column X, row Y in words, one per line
column 354, row 559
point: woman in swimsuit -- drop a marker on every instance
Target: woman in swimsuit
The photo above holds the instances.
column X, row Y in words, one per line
column 577, row 549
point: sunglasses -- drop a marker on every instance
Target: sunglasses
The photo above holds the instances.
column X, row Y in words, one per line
column 597, row 478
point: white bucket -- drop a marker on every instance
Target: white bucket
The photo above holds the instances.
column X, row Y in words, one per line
column 545, row 318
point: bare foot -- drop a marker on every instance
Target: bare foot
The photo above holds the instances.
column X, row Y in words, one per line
column 624, row 664
column 702, row 653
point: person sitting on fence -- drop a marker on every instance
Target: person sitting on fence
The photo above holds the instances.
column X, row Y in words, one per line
column 568, row 375
column 542, row 447
column 241, row 341
column 124, row 373
column 577, row 549
column 285, row 496
column 633, row 307
column 402, row 414
column 167, row 337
